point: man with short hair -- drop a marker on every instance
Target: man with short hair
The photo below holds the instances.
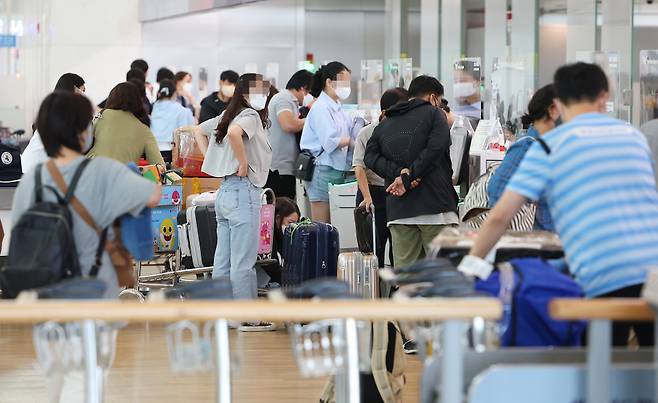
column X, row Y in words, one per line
column 410, row 149
column 286, row 124
column 214, row 104
column 140, row 64
column 597, row 177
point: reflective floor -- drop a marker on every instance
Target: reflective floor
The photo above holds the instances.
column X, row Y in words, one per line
column 141, row 372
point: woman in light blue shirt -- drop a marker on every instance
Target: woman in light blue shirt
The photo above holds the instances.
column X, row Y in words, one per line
column 327, row 134
column 167, row 116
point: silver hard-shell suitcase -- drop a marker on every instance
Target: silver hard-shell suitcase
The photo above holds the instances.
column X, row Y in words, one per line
column 360, row 270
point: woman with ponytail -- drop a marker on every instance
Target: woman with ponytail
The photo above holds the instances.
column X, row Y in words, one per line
column 167, row 116
column 237, row 150
column 541, row 118
column 328, row 135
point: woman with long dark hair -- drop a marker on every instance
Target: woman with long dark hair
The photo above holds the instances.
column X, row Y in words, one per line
column 238, row 151
column 120, row 133
column 327, row 135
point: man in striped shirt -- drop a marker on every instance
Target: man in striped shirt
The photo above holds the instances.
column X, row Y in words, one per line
column 597, row 177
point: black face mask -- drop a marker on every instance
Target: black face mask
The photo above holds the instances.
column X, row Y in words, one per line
column 558, row 121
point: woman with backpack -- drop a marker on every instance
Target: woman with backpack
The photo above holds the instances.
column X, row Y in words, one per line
column 106, row 190
column 237, row 150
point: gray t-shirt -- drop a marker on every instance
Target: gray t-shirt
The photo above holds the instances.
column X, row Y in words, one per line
column 360, row 150
column 650, row 130
column 220, row 160
column 284, row 145
column 108, row 190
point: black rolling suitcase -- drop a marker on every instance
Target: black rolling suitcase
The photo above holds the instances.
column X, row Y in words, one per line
column 197, row 230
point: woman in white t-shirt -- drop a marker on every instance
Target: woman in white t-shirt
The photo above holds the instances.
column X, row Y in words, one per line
column 238, row 151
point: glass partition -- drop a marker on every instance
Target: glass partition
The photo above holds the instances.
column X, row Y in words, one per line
column 399, row 73
column 609, row 62
column 466, row 88
column 510, row 93
column 648, row 85
column 370, row 85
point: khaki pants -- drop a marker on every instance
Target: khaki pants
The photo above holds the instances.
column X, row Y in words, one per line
column 411, row 242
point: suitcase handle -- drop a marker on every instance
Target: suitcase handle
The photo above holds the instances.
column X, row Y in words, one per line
column 374, row 230
column 267, row 196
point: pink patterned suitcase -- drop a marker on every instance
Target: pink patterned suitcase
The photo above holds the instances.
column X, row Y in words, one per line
column 266, row 228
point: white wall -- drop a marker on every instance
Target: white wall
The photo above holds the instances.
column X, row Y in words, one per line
column 85, row 37
column 95, row 41
column 228, row 38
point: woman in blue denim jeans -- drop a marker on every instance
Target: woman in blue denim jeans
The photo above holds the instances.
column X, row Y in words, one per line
column 237, row 150
column 327, row 134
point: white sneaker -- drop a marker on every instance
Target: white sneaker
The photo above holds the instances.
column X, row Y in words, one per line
column 257, row 327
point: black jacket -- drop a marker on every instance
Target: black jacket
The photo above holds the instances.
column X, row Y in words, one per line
column 414, row 135
column 211, row 107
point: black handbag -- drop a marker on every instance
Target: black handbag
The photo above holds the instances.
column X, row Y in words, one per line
column 305, row 165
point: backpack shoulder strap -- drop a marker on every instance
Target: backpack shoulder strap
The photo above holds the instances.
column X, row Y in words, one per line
column 38, row 184
column 543, row 144
column 68, row 191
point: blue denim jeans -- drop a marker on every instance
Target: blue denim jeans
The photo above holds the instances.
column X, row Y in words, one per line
column 238, row 216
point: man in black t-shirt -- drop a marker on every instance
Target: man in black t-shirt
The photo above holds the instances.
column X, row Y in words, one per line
column 214, row 104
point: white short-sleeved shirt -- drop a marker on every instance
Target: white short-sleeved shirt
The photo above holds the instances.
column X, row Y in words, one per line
column 34, row 154
column 220, row 160
column 284, row 145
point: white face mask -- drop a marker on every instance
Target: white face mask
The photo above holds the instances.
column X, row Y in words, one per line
column 188, row 87
column 343, row 92
column 258, row 101
column 228, row 90
column 89, row 139
column 308, row 98
column 463, row 90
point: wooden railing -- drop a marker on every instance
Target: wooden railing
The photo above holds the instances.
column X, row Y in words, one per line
column 600, row 313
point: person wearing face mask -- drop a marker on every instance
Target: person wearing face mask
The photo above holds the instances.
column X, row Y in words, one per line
column 286, row 124
column 184, row 87
column 167, row 116
column 35, row 153
column 327, row 134
column 119, row 132
column 106, row 188
column 541, row 118
column 214, row 104
column 466, row 91
column 237, row 149
column 596, row 173
column 410, row 149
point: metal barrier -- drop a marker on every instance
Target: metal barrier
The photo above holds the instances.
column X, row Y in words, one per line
column 601, row 313
column 455, row 313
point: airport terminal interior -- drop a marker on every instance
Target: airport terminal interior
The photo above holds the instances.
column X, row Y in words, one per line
column 333, row 201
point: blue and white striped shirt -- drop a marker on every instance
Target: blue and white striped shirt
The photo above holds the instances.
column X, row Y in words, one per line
column 599, row 184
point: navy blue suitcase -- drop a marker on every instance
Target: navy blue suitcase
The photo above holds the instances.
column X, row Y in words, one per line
column 310, row 251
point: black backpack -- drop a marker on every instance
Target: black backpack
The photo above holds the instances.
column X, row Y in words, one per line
column 42, row 249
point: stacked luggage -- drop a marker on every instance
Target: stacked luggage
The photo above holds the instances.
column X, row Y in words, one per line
column 197, row 229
